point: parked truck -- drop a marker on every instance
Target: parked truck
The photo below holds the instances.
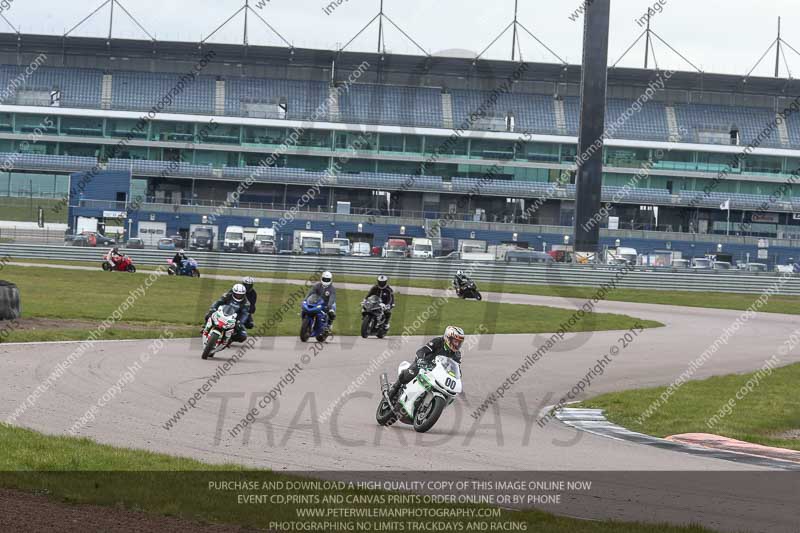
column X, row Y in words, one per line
column 202, row 237
column 395, row 248
column 265, row 241
column 307, row 242
column 621, row 256
column 421, row 248
column 344, row 245
column 234, row 239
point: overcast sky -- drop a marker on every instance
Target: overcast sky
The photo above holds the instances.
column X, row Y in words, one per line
column 727, row 39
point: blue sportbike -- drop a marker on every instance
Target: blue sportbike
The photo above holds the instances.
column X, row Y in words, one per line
column 314, row 319
column 188, row 268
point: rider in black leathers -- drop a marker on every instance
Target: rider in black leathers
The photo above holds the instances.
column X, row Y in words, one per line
column 235, row 296
column 448, row 345
column 178, row 260
column 461, row 281
column 386, row 294
column 324, row 289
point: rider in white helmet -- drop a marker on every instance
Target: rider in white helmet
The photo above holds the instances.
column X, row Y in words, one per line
column 236, row 296
column 448, row 345
column 460, row 281
column 324, row 289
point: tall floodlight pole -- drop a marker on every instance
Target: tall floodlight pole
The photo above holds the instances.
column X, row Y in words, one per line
column 380, row 29
column 778, row 51
column 514, row 36
column 589, row 177
column 647, row 44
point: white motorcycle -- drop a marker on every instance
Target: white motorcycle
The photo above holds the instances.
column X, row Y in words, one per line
column 219, row 329
column 424, row 398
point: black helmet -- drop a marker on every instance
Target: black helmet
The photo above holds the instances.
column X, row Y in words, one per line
column 248, row 283
column 383, row 281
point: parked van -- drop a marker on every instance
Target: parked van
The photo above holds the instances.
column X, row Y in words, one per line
column 234, row 239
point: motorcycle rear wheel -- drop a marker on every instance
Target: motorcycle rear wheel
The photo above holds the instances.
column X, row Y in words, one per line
column 211, row 345
column 385, row 415
column 424, row 420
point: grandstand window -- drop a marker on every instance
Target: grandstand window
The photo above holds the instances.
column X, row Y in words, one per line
column 398, row 167
column 772, row 165
column 413, row 144
column 6, row 121
column 224, row 134
column 87, row 127
column 83, row 150
column 492, row 149
column 122, row 128
column 355, row 166
column 391, row 143
column 35, row 123
column 314, row 164
column 315, row 138
column 548, row 153
column 131, row 152
column 433, row 145
column 172, row 131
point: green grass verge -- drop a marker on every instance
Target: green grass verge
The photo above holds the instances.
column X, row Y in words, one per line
column 82, row 471
column 773, row 407
column 27, row 210
column 48, row 293
column 706, row 299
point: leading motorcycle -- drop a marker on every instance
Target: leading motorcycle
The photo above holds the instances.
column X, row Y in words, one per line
column 123, row 264
column 219, row 329
column 373, row 317
column 421, row 402
column 469, row 291
column 314, row 319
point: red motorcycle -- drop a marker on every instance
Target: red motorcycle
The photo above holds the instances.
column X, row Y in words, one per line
column 123, row 264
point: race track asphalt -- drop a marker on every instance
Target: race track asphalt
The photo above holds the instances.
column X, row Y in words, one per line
column 291, row 435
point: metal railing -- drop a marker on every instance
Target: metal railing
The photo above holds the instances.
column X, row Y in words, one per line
column 497, row 272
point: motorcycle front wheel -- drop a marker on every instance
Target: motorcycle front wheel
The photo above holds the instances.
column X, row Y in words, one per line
column 425, row 418
column 305, row 329
column 211, row 345
column 195, row 273
column 478, row 296
column 106, row 266
column 366, row 326
column 131, row 269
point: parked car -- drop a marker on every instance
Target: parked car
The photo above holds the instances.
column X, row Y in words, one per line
column 179, row 241
column 166, row 244
column 753, row 267
column 722, row 265
column 100, row 240
column 680, row 264
column 79, row 240
column 135, row 244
